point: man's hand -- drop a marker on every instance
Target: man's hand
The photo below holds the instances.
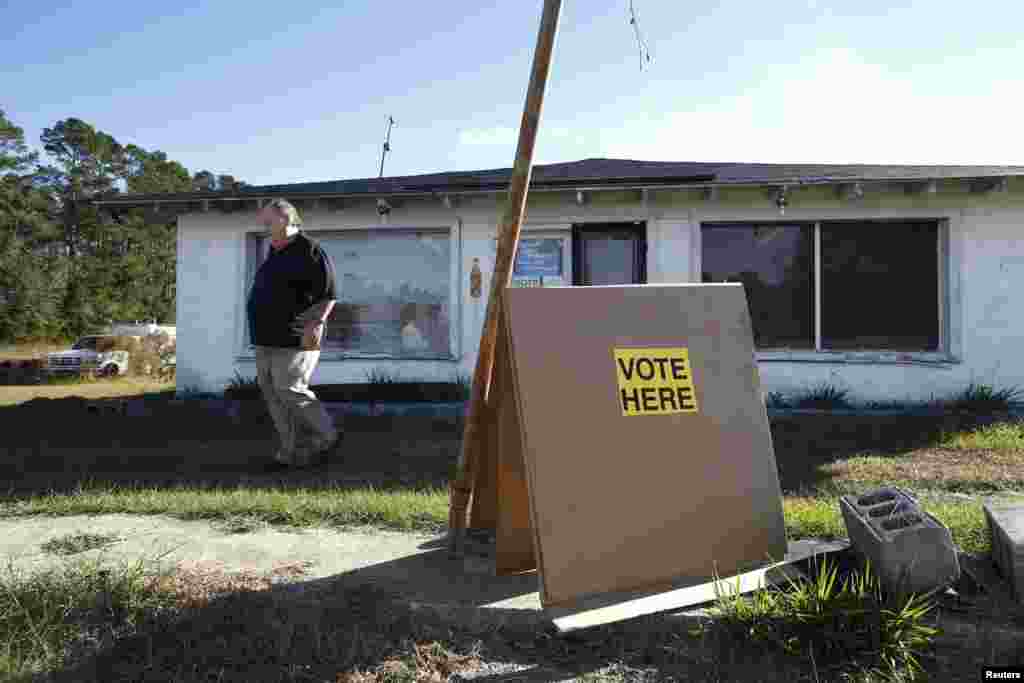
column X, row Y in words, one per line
column 311, row 324
column 312, row 335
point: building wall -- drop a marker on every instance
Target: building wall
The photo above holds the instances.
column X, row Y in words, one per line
column 984, row 263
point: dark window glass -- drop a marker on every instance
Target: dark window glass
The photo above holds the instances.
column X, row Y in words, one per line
column 880, row 286
column 775, row 264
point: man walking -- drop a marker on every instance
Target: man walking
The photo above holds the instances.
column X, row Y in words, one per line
column 292, row 296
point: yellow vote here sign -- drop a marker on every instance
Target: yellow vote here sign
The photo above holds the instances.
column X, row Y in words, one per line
column 654, row 381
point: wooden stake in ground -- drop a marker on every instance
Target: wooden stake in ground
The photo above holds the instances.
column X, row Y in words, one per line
column 461, row 489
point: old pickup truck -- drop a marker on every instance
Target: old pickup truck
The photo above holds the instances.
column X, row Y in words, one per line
column 84, row 357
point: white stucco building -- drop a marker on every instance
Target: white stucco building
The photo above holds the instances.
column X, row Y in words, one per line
column 891, row 282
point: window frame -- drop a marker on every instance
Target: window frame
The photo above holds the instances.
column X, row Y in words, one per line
column 947, row 291
column 246, row 350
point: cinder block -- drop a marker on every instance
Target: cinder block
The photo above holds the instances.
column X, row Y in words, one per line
column 1006, row 530
column 909, row 550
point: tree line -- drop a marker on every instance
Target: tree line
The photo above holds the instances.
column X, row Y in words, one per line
column 67, row 268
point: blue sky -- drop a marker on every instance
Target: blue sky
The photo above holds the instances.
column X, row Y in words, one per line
column 301, row 91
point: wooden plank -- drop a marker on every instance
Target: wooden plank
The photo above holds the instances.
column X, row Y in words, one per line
column 483, row 510
column 508, row 238
column 614, row 607
column 514, row 549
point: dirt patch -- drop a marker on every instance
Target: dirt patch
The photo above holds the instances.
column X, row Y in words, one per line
column 196, row 584
column 811, row 450
column 947, row 469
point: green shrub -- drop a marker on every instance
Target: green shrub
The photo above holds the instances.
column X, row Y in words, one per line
column 42, row 614
column 823, row 396
column 982, row 398
column 379, row 377
column 836, row 621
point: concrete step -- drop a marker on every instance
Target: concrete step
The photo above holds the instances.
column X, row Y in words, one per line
column 1006, row 529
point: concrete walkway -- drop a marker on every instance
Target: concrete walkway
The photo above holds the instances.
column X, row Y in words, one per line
column 415, row 569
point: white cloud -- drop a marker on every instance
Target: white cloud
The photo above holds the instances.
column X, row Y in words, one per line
column 497, row 136
column 839, row 108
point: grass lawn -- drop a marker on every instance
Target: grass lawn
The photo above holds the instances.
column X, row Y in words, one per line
column 55, row 458
column 30, row 351
column 189, row 463
column 95, row 389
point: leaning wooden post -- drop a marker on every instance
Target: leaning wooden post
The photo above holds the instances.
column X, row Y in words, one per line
column 461, row 489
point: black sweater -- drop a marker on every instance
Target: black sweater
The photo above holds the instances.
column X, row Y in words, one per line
column 286, row 285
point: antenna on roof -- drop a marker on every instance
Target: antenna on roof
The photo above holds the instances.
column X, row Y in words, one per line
column 641, row 43
column 387, row 145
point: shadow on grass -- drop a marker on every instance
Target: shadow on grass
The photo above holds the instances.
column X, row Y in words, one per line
column 364, row 620
column 361, row 620
column 58, row 444
column 806, row 445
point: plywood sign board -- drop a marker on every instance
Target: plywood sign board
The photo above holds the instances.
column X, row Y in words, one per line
column 634, row 447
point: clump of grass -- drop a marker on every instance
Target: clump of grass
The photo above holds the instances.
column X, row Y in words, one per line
column 45, row 614
column 418, row 661
column 997, row 436
column 378, row 377
column 72, row 544
column 380, row 385
column 193, row 392
column 464, row 383
column 836, row 622
column 823, row 396
column 242, row 387
column 239, row 524
column 982, row 398
column 974, row 399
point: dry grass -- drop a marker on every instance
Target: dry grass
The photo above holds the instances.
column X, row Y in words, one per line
column 196, row 584
column 944, row 469
column 31, row 350
column 107, row 388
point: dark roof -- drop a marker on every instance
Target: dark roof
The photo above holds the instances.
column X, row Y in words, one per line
column 611, row 173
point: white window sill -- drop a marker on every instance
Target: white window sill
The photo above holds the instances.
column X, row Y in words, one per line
column 860, row 357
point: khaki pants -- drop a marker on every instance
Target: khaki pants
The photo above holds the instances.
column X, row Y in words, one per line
column 284, row 375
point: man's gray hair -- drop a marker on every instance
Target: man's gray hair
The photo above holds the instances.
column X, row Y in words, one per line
column 288, row 209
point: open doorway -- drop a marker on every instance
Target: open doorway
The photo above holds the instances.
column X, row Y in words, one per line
column 609, row 253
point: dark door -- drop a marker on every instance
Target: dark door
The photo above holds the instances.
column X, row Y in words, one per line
column 609, row 254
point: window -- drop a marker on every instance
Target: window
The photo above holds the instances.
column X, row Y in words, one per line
column 394, row 292
column 775, row 264
column 873, row 285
